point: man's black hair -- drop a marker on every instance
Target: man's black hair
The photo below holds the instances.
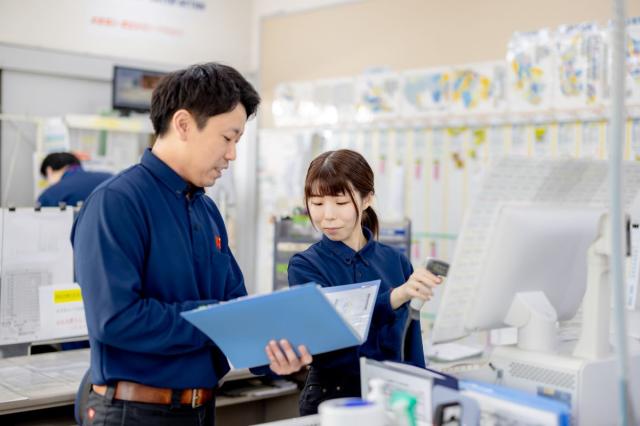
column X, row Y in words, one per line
column 204, row 90
column 58, row 160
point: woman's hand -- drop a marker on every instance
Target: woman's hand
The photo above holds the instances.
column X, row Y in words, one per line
column 419, row 285
column 283, row 360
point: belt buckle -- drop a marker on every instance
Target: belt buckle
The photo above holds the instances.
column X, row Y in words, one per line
column 195, row 398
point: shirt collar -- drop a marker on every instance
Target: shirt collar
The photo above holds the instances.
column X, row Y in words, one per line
column 168, row 176
column 71, row 170
column 346, row 253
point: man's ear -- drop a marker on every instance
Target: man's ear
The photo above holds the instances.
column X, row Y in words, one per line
column 182, row 123
column 48, row 172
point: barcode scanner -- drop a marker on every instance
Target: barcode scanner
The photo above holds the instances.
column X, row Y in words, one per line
column 436, row 267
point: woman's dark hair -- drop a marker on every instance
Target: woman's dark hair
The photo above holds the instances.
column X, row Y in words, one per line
column 204, row 90
column 341, row 172
column 58, row 160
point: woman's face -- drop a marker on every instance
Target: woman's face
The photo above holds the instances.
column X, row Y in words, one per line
column 336, row 216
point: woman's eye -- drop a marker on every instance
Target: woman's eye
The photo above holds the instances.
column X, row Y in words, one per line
column 227, row 139
column 342, row 203
column 316, row 203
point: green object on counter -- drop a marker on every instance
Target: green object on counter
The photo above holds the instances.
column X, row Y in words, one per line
column 403, row 405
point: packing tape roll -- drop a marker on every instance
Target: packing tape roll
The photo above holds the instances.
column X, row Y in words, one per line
column 345, row 411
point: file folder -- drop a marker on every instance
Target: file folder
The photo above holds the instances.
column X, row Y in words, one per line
column 514, row 406
column 303, row 315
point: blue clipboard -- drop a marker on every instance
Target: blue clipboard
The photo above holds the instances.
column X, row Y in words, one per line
column 242, row 327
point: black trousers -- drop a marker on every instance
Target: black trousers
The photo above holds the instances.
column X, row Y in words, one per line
column 322, row 385
column 107, row 411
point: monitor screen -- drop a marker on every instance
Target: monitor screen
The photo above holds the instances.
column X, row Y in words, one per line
column 534, row 248
column 534, row 182
column 132, row 88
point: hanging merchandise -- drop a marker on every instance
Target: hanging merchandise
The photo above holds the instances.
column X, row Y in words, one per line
column 566, row 139
column 478, row 88
column 359, row 139
column 437, row 193
column 589, row 144
column 496, row 141
column 366, row 143
column 635, row 140
column 632, row 83
column 377, row 96
column 426, row 92
column 580, row 73
column 382, row 172
column 519, row 144
column 419, row 183
column 530, row 65
column 396, row 181
column 632, row 60
column 477, row 151
column 457, row 175
column 541, row 141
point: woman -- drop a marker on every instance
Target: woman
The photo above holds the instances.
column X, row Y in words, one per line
column 338, row 194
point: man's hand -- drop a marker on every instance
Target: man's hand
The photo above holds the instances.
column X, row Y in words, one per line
column 283, row 360
column 419, row 285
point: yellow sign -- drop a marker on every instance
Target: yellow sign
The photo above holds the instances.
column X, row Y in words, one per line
column 67, row 296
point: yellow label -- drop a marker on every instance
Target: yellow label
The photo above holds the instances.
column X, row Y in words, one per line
column 67, row 296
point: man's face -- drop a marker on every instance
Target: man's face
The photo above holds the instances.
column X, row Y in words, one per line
column 212, row 148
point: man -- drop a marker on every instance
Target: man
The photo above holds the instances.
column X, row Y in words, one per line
column 148, row 245
column 68, row 181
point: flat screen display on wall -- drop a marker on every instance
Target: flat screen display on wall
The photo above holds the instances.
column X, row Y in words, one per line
column 132, row 88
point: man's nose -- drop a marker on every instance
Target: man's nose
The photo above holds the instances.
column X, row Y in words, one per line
column 231, row 152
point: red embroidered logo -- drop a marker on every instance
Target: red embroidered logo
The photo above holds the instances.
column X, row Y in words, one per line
column 218, row 242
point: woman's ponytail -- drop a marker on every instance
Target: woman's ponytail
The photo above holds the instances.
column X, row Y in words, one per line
column 370, row 220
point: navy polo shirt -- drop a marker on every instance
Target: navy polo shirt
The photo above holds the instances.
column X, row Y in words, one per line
column 330, row 263
column 75, row 185
column 147, row 246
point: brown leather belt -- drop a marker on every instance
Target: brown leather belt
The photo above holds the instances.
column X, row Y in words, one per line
column 136, row 392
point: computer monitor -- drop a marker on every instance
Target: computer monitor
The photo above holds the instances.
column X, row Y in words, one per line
column 530, row 238
column 513, row 181
column 132, row 88
column 536, row 264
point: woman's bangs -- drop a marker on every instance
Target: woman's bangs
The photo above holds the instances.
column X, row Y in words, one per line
column 327, row 184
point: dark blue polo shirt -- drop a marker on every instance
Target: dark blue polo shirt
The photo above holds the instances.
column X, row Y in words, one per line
column 330, row 263
column 146, row 249
column 75, row 185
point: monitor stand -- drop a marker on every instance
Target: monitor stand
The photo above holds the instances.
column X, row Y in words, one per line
column 583, row 374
